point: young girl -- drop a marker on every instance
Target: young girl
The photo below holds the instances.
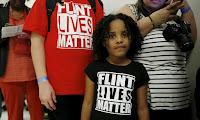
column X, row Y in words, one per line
column 116, row 86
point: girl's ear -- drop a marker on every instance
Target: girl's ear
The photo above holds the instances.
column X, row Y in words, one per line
column 104, row 44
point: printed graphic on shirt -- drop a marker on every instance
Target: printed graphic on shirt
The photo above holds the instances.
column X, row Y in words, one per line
column 114, row 93
column 75, row 26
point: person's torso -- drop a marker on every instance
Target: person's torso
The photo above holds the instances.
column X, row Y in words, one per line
column 19, row 65
column 115, row 91
column 169, row 86
column 68, row 45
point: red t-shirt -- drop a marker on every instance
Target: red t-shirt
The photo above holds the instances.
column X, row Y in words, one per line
column 68, row 45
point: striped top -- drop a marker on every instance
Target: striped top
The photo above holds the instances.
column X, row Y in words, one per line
column 19, row 66
column 169, row 86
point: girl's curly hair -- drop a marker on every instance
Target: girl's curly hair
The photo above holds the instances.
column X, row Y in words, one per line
column 102, row 29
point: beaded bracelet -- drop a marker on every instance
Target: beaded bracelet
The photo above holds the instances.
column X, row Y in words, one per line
column 42, row 79
column 186, row 10
column 152, row 22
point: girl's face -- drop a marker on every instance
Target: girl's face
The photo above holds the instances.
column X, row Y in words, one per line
column 154, row 5
column 118, row 42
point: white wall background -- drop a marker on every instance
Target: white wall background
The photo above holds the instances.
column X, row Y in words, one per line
column 111, row 6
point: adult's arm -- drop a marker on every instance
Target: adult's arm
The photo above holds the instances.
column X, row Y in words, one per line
column 143, row 111
column 88, row 99
column 189, row 17
column 158, row 17
column 46, row 92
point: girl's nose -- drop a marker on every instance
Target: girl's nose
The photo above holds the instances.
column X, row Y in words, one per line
column 119, row 39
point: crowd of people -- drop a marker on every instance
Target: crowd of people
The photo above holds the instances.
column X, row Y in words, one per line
column 80, row 64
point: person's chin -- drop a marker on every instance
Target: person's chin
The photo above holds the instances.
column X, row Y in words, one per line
column 155, row 7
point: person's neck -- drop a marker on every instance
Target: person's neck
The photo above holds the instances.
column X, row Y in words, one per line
column 118, row 61
column 16, row 13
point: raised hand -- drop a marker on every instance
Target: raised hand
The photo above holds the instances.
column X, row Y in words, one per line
column 165, row 14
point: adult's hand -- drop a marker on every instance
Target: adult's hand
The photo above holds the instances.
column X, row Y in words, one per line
column 168, row 1
column 7, row 24
column 165, row 14
column 47, row 95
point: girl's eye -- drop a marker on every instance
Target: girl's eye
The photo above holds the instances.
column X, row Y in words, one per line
column 125, row 34
column 111, row 36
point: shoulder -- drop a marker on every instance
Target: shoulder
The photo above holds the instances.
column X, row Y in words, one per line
column 92, row 69
column 137, row 63
column 138, row 67
column 124, row 9
column 97, row 63
column 127, row 10
column 39, row 3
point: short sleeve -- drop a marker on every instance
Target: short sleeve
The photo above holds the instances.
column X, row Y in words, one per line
column 144, row 77
column 37, row 20
column 90, row 71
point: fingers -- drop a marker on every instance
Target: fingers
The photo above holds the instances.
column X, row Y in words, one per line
column 47, row 95
column 168, row 1
column 7, row 24
column 54, row 97
column 174, row 5
column 173, row 17
column 49, row 101
column 50, row 105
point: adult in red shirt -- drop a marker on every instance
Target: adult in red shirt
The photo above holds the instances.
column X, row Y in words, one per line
column 19, row 80
column 63, row 53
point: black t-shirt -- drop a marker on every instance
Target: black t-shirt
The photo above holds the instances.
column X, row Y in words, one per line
column 115, row 89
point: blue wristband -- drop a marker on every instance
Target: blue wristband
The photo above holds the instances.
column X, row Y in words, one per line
column 42, row 79
column 186, row 10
